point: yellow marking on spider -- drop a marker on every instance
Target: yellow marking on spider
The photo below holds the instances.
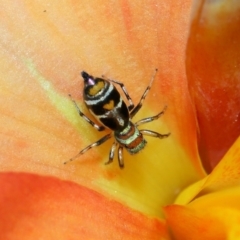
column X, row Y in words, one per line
column 96, row 88
column 109, row 105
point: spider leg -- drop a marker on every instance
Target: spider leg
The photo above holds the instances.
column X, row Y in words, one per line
column 120, row 157
column 97, row 143
column 111, row 154
column 150, row 119
column 139, row 105
column 153, row 134
column 96, row 126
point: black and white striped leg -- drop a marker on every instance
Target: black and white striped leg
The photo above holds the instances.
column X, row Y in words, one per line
column 97, row 143
column 139, row 105
column 154, row 134
column 150, row 119
column 120, row 157
column 99, row 128
column 111, row 154
column 131, row 106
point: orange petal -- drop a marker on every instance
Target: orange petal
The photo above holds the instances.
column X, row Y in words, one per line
column 189, row 224
column 213, row 62
column 34, row 207
column 47, row 45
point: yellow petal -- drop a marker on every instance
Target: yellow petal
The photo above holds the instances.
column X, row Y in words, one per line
column 214, row 215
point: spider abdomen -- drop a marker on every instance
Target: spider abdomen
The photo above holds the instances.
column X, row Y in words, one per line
column 105, row 103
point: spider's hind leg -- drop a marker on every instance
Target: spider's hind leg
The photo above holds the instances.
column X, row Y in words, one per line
column 150, row 119
column 139, row 105
column 96, row 126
